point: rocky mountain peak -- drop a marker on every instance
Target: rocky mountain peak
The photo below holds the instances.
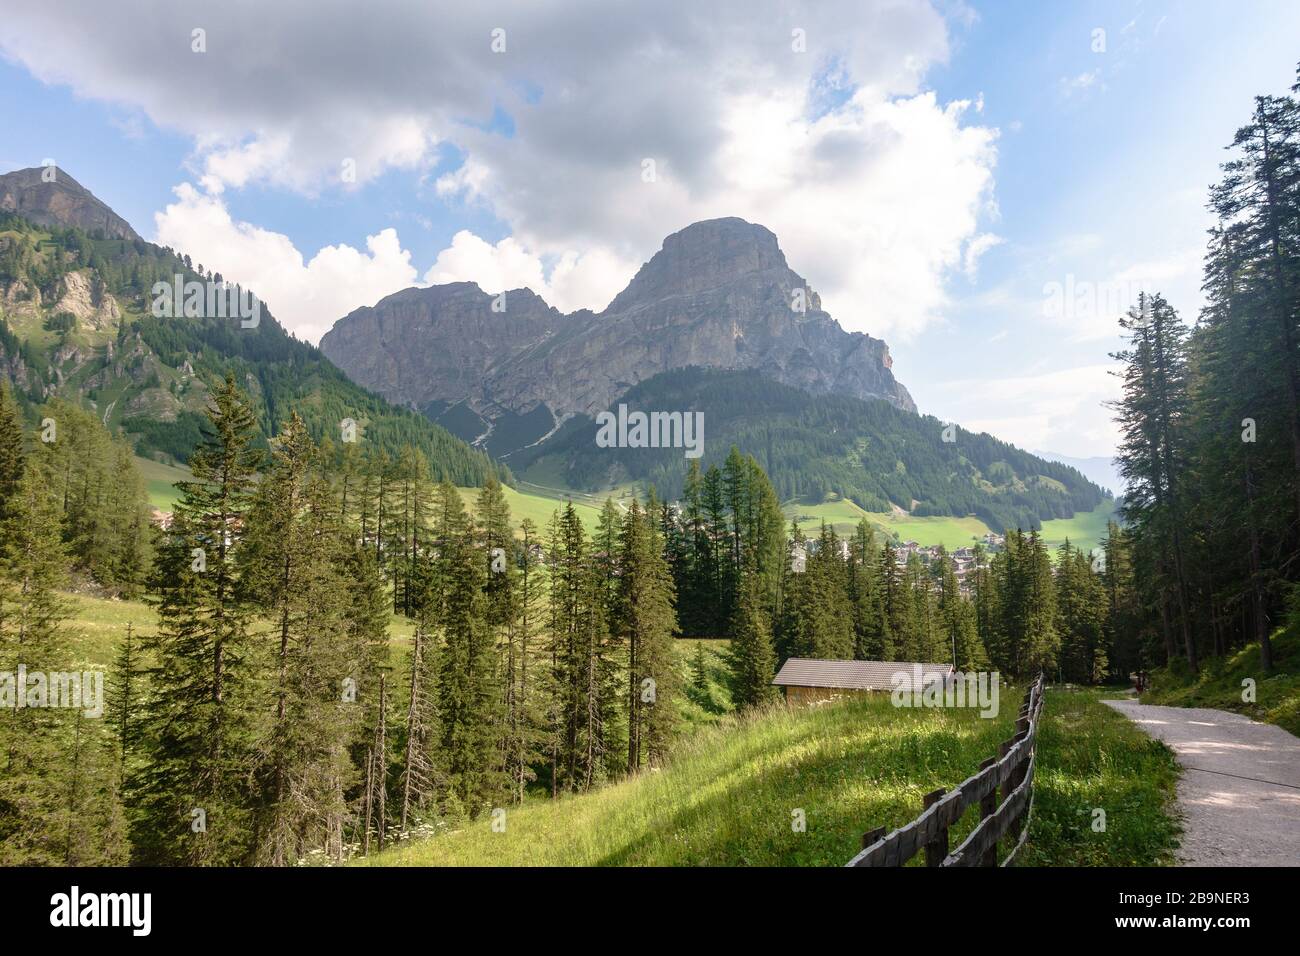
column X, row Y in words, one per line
column 718, row 294
column 48, row 196
column 704, row 256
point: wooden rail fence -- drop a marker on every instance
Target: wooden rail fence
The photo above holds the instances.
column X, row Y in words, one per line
column 1011, row 772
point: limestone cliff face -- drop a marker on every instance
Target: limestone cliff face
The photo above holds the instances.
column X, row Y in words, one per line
column 437, row 344
column 59, row 201
column 718, row 294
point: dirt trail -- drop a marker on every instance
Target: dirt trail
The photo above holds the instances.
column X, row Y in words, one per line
column 1240, row 790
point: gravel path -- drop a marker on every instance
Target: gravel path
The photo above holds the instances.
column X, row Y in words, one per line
column 1240, row 789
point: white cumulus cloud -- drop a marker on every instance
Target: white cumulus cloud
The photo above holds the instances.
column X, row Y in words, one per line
column 813, row 121
column 306, row 296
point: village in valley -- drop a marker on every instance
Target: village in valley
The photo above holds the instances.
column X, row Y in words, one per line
column 964, row 559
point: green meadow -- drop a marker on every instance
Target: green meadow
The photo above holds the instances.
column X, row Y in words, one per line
column 538, row 502
column 531, row 503
column 843, row 515
column 734, row 794
column 159, row 480
column 1085, row 530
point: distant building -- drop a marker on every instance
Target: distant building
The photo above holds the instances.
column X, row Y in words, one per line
column 804, row 679
column 798, row 559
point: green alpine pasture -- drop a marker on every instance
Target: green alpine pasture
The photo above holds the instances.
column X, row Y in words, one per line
column 1085, row 530
column 160, row 480
column 735, row 794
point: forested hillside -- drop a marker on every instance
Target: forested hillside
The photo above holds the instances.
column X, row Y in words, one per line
column 869, row 451
column 76, row 322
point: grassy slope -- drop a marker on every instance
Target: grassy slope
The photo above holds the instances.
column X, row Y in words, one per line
column 728, row 795
column 1090, row 757
column 538, row 507
column 1085, row 530
column 159, row 479
column 844, row 515
column 96, row 627
column 1277, row 695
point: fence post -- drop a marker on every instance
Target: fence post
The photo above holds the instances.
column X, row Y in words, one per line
column 936, row 849
column 988, row 807
column 871, row 836
column 1023, row 727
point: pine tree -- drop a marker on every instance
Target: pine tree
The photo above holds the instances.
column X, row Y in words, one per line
column 644, row 622
column 124, row 698
column 11, row 448
column 419, row 778
column 1152, row 458
column 32, row 638
column 527, row 739
column 195, row 805
column 579, row 640
column 752, row 657
column 961, row 643
column 469, row 702
column 291, row 562
column 1260, row 195
column 1080, row 621
column 375, row 794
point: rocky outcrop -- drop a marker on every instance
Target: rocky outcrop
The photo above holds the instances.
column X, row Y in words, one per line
column 79, row 298
column 438, row 344
column 50, row 197
column 718, row 294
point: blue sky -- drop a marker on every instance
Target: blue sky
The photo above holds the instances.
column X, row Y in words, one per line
column 935, row 225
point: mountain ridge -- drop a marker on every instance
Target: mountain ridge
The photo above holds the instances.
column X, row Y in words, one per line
column 719, row 293
column 77, row 322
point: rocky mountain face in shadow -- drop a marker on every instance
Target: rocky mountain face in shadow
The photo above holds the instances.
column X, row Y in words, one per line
column 719, row 294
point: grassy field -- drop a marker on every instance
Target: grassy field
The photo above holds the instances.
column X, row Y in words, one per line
column 728, row 796
column 159, row 479
column 97, row 625
column 952, row 533
column 539, row 507
column 1090, row 758
column 539, row 502
column 1086, row 530
column 844, row 516
column 1277, row 695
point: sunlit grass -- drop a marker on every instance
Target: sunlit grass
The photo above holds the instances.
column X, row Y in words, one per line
column 730, row 793
column 1086, row 530
column 1091, row 758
